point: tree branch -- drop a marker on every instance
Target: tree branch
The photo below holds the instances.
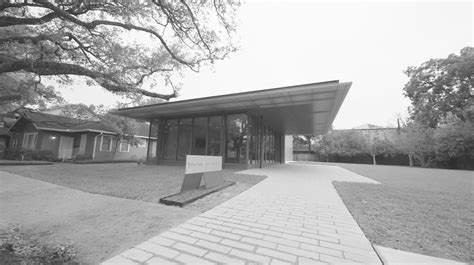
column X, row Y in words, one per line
column 9, row 98
column 6, row 21
column 95, row 23
column 55, row 68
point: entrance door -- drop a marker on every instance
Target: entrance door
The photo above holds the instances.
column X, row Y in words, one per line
column 65, row 147
column 82, row 144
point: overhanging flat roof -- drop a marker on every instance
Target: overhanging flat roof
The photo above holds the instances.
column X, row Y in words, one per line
column 301, row 109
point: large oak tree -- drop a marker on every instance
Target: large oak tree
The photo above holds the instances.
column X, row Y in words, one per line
column 439, row 87
column 126, row 47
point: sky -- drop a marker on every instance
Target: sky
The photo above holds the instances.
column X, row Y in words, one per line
column 283, row 43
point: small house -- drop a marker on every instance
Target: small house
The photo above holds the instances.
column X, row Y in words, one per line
column 67, row 138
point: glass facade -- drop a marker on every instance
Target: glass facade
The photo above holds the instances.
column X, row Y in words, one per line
column 236, row 138
column 215, row 132
column 199, row 136
column 240, row 138
column 151, row 152
column 170, row 139
column 254, row 139
column 184, row 138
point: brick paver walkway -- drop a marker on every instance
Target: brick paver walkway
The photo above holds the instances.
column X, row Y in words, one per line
column 293, row 216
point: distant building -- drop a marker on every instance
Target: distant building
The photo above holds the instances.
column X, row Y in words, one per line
column 373, row 131
column 68, row 138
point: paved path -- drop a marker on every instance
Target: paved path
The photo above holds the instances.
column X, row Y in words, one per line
column 293, row 216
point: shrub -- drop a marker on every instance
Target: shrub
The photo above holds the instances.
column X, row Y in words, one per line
column 44, row 155
column 81, row 157
column 12, row 154
column 16, row 247
column 16, row 154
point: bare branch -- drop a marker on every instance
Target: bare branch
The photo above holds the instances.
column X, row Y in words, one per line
column 55, row 68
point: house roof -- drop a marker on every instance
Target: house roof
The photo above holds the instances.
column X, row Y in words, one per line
column 368, row 126
column 301, row 109
column 72, row 108
column 51, row 122
column 44, row 121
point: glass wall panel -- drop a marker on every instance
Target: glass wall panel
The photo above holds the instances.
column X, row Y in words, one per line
column 199, row 136
column 254, row 139
column 272, row 147
column 277, row 147
column 184, row 138
column 170, row 139
column 151, row 142
column 215, row 128
column 266, row 147
column 236, row 138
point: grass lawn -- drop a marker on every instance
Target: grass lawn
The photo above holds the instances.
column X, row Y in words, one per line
column 97, row 227
column 427, row 211
column 130, row 181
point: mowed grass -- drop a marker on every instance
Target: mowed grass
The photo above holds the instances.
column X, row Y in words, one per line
column 427, row 211
column 125, row 180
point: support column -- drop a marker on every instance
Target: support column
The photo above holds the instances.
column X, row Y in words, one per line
column 261, row 142
column 288, row 148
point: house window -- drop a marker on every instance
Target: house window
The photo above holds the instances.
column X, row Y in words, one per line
column 124, row 145
column 106, row 143
column 29, row 141
column 14, row 143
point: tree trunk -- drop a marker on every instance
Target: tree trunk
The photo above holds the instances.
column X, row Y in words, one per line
column 410, row 160
column 374, row 161
column 116, row 146
column 424, row 161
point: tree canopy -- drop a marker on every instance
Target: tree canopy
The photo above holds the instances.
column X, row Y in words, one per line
column 126, row 47
column 441, row 86
column 17, row 92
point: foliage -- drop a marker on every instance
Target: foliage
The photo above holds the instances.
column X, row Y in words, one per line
column 341, row 142
column 441, row 86
column 16, row 246
column 81, row 111
column 19, row 154
column 92, row 39
column 12, row 154
column 378, row 143
column 20, row 90
column 417, row 141
column 454, row 138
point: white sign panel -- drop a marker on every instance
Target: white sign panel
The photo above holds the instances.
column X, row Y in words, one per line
column 201, row 164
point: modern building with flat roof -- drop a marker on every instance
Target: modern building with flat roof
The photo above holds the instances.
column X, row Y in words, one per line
column 247, row 129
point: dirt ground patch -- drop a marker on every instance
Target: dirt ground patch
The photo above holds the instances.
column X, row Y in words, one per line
column 427, row 211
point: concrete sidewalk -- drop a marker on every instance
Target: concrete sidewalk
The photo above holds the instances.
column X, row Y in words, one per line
column 293, row 216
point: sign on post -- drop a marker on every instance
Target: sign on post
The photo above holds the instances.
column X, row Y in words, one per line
column 196, row 166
